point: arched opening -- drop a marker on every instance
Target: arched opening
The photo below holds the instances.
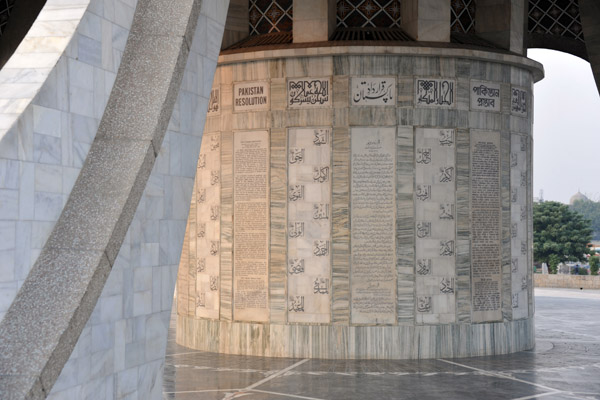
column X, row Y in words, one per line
column 565, row 114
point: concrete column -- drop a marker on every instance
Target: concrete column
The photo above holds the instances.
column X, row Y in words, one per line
column 426, row 20
column 502, row 22
column 236, row 26
column 314, row 20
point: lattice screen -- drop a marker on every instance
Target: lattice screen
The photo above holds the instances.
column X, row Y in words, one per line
column 368, row 13
column 555, row 17
column 270, row 16
column 462, row 16
column 5, row 10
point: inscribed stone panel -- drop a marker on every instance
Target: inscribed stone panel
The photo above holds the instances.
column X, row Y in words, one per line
column 309, row 92
column 250, row 96
column 519, row 101
column 208, row 227
column 251, row 225
column 485, row 96
column 373, row 225
column 435, row 225
column 373, row 91
column 486, row 226
column 435, row 92
column 309, row 225
column 214, row 102
column 518, row 226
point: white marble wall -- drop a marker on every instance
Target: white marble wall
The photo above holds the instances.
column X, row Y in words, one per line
column 53, row 92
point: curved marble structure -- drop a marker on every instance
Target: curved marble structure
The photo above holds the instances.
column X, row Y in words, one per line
column 362, row 202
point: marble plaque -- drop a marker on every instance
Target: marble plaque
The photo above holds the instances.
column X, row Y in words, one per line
column 251, row 225
column 309, row 92
column 250, row 96
column 485, row 96
column 373, row 91
column 435, row 92
column 373, row 224
column 435, row 227
column 486, row 227
column 309, row 225
column 519, row 224
column 208, row 228
column 519, row 101
column 214, row 102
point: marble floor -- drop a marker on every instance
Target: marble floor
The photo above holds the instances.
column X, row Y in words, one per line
column 565, row 364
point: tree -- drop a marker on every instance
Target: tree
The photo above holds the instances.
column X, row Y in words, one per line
column 590, row 210
column 594, row 264
column 559, row 234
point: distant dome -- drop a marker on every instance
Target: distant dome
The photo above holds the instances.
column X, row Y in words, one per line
column 578, row 196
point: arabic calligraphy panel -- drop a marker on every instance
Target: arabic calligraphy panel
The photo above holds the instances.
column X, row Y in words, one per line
column 373, row 91
column 309, row 92
column 309, row 225
column 435, row 92
column 435, row 163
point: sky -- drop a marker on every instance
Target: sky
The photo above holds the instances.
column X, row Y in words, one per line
column 566, row 128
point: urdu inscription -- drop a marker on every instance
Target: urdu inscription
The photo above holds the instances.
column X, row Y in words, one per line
column 373, row 225
column 370, row 91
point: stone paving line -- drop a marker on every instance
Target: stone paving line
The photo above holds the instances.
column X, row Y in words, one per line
column 564, row 365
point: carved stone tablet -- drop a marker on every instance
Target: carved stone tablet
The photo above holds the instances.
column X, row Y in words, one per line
column 251, row 225
column 486, row 226
column 207, row 229
column 214, row 102
column 250, row 96
column 309, row 225
column 373, row 222
column 373, row 91
column 485, row 96
column 309, row 92
column 519, row 223
column 435, row 237
column 435, row 92
column 519, row 101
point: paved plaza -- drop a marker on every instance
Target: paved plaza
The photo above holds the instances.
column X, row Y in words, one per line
column 565, row 364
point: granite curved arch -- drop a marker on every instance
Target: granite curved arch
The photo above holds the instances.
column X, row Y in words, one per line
column 47, row 329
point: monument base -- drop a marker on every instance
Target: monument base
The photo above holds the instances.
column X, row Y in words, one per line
column 356, row 342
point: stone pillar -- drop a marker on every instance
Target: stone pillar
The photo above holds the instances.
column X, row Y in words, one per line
column 502, row 22
column 426, row 20
column 236, row 26
column 314, row 20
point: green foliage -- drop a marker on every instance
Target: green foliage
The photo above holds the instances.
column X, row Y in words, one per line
column 594, row 264
column 590, row 210
column 553, row 261
column 559, row 234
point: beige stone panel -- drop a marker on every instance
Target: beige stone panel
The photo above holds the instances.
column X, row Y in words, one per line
column 486, row 226
column 251, row 226
column 309, row 225
column 373, row 225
